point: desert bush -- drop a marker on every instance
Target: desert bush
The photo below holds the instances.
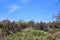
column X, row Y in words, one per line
column 28, row 34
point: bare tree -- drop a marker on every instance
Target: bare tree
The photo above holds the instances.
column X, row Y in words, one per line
column 57, row 17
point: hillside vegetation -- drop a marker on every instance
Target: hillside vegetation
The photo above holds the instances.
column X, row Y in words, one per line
column 30, row 30
column 31, row 34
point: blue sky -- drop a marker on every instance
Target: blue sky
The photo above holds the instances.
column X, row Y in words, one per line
column 37, row 10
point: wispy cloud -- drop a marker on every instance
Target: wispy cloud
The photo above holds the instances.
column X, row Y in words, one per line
column 13, row 8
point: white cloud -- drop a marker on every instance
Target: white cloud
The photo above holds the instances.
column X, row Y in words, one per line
column 13, row 8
